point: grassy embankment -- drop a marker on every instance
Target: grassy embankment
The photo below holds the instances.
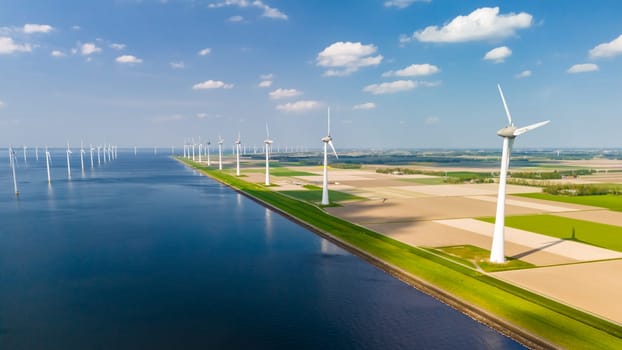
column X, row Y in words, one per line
column 313, row 194
column 457, row 284
column 594, row 233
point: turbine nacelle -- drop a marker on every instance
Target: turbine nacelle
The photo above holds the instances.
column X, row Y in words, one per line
column 268, row 141
column 327, row 139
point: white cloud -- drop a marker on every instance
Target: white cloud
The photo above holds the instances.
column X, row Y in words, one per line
column 205, row 52
column 610, row 49
column 236, row 19
column 75, row 27
column 284, row 93
column 87, row 49
column 117, row 46
column 8, row 46
column 177, row 65
column 211, row 84
column 390, row 88
column 482, row 24
column 364, row 106
column 523, row 74
column 498, row 54
column 347, row 57
column 57, row 53
column 413, row 70
column 299, row 106
column 402, row 3
column 37, row 28
column 266, row 76
column 582, row 68
column 432, row 120
column 265, row 83
column 269, row 12
column 128, row 59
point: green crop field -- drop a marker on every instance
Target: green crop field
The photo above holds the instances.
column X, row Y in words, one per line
column 601, row 235
column 289, row 172
column 314, row 194
column 426, row 181
column 559, row 324
column 609, row 201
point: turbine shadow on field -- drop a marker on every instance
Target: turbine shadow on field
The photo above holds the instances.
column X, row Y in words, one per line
column 535, row 250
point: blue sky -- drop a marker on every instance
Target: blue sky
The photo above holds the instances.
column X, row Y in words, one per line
column 405, row 74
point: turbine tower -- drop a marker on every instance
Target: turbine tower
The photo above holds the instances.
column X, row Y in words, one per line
column 268, row 143
column 91, row 149
column 509, row 133
column 68, row 163
column 220, row 142
column 82, row 156
column 48, row 158
column 207, row 147
column 12, row 162
column 237, row 155
column 328, row 141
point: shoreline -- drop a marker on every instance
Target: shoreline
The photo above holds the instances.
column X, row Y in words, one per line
column 475, row 312
column 529, row 318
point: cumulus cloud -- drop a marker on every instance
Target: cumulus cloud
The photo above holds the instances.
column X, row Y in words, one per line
column 610, row 49
column 390, row 88
column 265, row 83
column 413, row 70
column 364, row 106
column 299, row 106
column 211, row 84
column 87, row 49
column 117, row 46
column 400, row 4
column 37, row 28
column 57, row 53
column 344, row 58
column 128, row 59
column 177, row 65
column 431, row 120
column 284, row 93
column 205, row 52
column 482, row 24
column 498, row 54
column 582, row 68
column 269, row 12
column 523, row 74
column 8, row 46
column 236, row 19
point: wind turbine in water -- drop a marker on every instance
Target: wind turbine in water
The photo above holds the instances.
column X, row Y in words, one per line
column 268, row 143
column 91, row 150
column 509, row 133
column 328, row 141
column 68, row 163
column 12, row 163
column 25, row 160
column 48, row 159
column 82, row 156
column 237, row 155
column 220, row 142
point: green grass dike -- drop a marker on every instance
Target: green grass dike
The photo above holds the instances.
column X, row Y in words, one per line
column 532, row 319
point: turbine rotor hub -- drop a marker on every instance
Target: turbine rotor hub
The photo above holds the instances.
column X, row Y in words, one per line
column 507, row 132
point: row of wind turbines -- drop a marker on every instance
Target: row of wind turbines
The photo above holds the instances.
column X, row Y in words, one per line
column 107, row 153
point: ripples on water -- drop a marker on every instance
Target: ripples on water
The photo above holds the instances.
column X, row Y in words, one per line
column 145, row 253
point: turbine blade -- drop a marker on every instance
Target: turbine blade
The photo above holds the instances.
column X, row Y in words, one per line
column 267, row 131
column 505, row 105
column 330, row 143
column 524, row 129
column 328, row 121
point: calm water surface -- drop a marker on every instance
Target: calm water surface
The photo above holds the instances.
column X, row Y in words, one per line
column 145, row 253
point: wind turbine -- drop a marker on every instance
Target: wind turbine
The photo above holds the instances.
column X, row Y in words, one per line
column 68, row 163
column 509, row 133
column 99, row 163
column 268, row 143
column 220, row 142
column 92, row 149
column 193, row 150
column 36, row 152
column 48, row 158
column 237, row 155
column 328, row 141
column 12, row 162
column 82, row 156
column 207, row 147
column 25, row 161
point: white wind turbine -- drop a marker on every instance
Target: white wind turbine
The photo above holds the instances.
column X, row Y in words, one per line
column 82, row 156
column 99, row 162
column 91, row 150
column 220, row 142
column 48, row 159
column 12, row 163
column 25, row 161
column 68, row 163
column 237, row 155
column 36, row 152
column 328, row 141
column 509, row 133
column 207, row 147
column 268, row 143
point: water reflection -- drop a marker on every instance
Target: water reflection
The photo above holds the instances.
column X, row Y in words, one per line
column 329, row 248
column 268, row 226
